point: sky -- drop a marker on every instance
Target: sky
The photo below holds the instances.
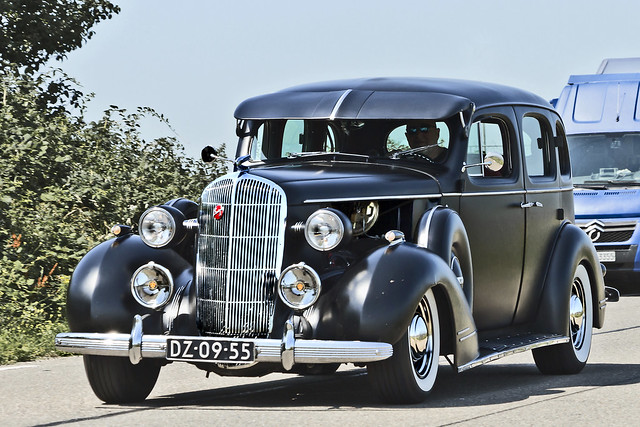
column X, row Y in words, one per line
column 194, row 61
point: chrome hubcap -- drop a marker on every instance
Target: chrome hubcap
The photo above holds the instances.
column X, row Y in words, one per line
column 421, row 339
column 577, row 314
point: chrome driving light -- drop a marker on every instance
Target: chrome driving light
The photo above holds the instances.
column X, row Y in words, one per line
column 152, row 285
column 364, row 217
column 160, row 226
column 325, row 229
column 299, row 286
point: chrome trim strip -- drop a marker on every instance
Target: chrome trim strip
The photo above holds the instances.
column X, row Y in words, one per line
column 435, row 195
column 267, row 350
column 466, row 337
column 423, row 234
column 481, row 360
column 352, row 199
column 463, row 331
column 494, row 193
column 332, row 116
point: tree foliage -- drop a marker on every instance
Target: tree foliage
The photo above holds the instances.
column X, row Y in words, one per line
column 63, row 184
column 33, row 31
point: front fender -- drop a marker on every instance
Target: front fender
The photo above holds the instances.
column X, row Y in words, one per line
column 376, row 298
column 99, row 298
column 572, row 248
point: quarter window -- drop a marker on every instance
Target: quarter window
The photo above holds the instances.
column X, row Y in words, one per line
column 563, row 151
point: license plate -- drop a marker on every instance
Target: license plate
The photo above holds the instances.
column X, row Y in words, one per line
column 609, row 256
column 214, row 350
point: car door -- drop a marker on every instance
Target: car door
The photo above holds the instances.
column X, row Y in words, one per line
column 543, row 206
column 490, row 207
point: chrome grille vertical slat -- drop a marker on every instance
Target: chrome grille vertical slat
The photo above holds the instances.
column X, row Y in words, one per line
column 239, row 255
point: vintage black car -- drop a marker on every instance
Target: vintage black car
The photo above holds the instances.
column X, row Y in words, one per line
column 380, row 222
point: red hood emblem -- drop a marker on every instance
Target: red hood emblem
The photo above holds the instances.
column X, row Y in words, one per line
column 218, row 211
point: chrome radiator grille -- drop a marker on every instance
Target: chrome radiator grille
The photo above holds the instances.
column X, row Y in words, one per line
column 239, row 255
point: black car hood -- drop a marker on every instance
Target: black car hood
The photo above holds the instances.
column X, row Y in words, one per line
column 311, row 182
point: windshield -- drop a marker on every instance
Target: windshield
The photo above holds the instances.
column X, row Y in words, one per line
column 605, row 159
column 425, row 141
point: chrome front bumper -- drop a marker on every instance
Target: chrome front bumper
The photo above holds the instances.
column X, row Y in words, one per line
column 288, row 350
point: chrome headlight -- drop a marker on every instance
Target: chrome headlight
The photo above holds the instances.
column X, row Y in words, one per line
column 160, row 226
column 152, row 285
column 299, row 286
column 325, row 229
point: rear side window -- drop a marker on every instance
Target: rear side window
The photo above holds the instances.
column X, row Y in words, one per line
column 488, row 137
column 535, row 143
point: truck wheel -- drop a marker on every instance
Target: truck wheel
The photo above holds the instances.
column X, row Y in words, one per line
column 409, row 375
column 570, row 358
column 116, row 380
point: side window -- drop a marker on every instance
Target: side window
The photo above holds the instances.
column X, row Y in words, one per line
column 488, row 137
column 257, row 152
column 535, row 144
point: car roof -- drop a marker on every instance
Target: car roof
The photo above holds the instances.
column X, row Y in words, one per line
column 383, row 98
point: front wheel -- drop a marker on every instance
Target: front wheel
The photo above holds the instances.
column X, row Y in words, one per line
column 409, row 375
column 116, row 380
column 571, row 357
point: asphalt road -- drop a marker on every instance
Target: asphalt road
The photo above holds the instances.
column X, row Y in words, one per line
column 507, row 392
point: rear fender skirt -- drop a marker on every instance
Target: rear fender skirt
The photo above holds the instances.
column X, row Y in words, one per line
column 99, row 297
column 376, row 297
column 572, row 247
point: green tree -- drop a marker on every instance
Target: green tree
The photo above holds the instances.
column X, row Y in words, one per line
column 33, row 31
column 63, row 184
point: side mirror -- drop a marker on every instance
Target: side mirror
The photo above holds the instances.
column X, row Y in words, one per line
column 493, row 162
column 209, row 154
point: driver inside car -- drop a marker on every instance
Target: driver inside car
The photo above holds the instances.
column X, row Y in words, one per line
column 425, row 134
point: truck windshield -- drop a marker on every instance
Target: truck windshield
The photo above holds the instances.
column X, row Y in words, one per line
column 605, row 159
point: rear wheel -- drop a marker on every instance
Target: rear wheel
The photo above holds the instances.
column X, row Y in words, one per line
column 409, row 375
column 571, row 357
column 116, row 380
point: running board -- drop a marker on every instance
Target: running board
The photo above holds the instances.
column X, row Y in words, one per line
column 497, row 348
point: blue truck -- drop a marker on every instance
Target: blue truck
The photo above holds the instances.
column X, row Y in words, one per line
column 601, row 113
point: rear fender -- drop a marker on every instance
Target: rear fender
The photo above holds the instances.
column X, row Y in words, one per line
column 572, row 248
column 376, row 298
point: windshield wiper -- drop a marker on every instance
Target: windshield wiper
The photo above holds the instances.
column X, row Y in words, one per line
column 324, row 153
column 411, row 151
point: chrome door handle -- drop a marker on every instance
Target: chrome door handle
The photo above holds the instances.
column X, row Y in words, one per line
column 531, row 205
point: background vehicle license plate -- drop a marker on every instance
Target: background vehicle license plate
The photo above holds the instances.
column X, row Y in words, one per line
column 210, row 350
column 609, row 256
